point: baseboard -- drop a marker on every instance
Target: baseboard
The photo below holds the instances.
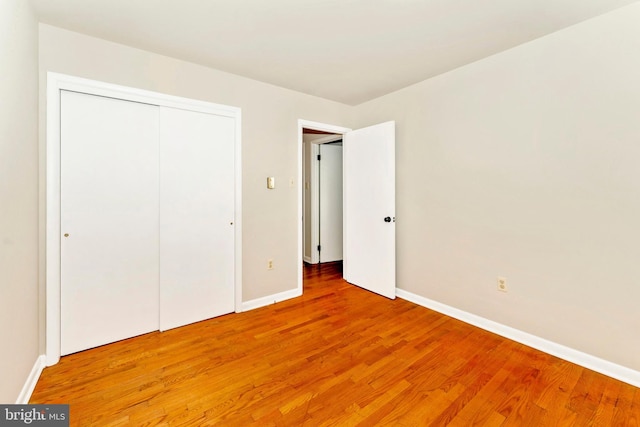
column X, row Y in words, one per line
column 588, row 361
column 32, row 380
column 271, row 299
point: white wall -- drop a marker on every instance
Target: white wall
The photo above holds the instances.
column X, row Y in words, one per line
column 526, row 165
column 18, row 196
column 269, row 137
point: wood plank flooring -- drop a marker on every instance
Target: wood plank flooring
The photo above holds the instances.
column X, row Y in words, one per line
column 337, row 356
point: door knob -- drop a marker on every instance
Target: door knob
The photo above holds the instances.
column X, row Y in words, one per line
column 387, row 219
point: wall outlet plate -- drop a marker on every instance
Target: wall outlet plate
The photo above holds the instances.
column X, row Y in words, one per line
column 502, row 284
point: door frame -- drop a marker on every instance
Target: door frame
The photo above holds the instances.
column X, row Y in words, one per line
column 57, row 82
column 314, row 198
column 307, row 124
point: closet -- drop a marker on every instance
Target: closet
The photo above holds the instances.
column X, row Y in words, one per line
column 147, row 217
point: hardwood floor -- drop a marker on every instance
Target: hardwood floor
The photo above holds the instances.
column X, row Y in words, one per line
column 337, row 356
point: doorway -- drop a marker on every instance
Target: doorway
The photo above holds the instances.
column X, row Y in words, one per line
column 312, row 136
column 322, row 200
column 369, row 257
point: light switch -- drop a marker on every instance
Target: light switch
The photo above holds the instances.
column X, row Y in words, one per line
column 271, row 182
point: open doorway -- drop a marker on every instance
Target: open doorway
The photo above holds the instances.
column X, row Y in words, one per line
column 320, row 174
column 368, row 154
column 322, row 217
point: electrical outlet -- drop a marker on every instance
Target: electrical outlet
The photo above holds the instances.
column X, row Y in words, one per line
column 270, row 264
column 502, row 284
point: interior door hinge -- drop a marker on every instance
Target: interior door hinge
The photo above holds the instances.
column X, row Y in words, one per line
column 318, row 157
column 318, row 248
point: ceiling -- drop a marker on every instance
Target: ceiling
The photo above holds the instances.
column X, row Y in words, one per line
column 348, row 51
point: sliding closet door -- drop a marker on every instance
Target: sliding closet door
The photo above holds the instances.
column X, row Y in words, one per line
column 196, row 216
column 109, row 220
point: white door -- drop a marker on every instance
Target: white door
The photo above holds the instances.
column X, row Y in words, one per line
column 196, row 216
column 330, row 201
column 369, row 208
column 109, row 220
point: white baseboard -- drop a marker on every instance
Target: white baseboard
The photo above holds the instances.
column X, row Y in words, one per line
column 588, row 361
column 32, row 380
column 271, row 299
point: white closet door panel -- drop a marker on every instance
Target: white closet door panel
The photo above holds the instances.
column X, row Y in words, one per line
column 109, row 220
column 196, row 216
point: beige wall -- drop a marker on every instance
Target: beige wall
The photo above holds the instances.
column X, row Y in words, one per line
column 526, row 165
column 18, row 196
column 269, row 137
